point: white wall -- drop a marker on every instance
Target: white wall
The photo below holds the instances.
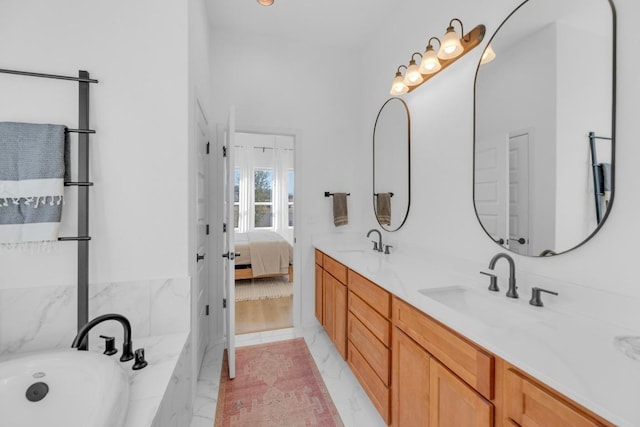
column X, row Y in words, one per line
column 442, row 216
column 584, row 105
column 138, row 52
column 293, row 87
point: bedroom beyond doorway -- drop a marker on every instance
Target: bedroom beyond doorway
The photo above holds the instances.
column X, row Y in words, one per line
column 264, row 229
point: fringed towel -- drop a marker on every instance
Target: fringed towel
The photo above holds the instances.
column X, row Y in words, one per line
column 32, row 173
column 383, row 208
column 340, row 213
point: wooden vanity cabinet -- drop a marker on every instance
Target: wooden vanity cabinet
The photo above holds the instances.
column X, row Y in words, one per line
column 331, row 300
column 319, row 308
column 530, row 403
column 438, row 378
column 369, row 337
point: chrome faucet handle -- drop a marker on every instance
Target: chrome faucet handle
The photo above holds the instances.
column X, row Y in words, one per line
column 493, row 282
column 375, row 245
column 535, row 296
column 386, row 249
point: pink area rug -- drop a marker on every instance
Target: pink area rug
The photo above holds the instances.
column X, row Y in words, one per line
column 276, row 385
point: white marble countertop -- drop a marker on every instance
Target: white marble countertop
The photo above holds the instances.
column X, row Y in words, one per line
column 557, row 344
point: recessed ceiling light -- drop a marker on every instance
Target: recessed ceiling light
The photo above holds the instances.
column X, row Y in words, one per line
column 265, row 2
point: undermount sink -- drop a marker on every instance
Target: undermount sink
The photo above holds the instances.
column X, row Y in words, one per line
column 492, row 310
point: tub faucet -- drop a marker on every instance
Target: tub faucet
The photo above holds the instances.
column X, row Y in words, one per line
column 377, row 246
column 511, row 293
column 80, row 343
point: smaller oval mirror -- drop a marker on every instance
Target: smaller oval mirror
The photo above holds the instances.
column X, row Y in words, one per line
column 392, row 164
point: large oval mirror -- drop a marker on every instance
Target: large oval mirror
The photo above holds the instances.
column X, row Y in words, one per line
column 391, row 164
column 544, row 126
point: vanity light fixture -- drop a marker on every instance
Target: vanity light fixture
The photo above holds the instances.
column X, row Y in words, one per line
column 450, row 50
column 398, row 87
column 412, row 76
column 265, row 2
column 430, row 63
column 488, row 55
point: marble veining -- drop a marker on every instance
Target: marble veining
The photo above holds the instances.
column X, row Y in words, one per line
column 36, row 319
column 44, row 318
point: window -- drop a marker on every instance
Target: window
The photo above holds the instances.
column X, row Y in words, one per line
column 263, row 198
column 290, row 196
column 236, row 197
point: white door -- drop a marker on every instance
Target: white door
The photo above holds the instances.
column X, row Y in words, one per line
column 229, row 247
column 519, row 193
column 200, row 334
column 491, row 187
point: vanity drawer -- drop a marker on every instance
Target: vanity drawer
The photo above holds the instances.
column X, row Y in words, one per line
column 528, row 403
column 378, row 325
column 376, row 390
column 319, row 258
column 472, row 364
column 376, row 354
column 371, row 293
column 334, row 268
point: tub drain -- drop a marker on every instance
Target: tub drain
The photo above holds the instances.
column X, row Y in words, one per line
column 37, row 391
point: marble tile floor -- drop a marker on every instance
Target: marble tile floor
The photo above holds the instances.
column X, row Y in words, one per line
column 350, row 399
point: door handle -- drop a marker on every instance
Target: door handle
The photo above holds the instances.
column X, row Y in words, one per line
column 231, row 255
column 199, row 257
column 521, row 240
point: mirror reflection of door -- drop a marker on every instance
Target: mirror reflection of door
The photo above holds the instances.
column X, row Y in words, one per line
column 546, row 89
column 519, row 194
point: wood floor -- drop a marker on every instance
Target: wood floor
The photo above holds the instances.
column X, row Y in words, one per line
column 264, row 315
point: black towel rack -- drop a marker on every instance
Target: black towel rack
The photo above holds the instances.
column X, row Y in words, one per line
column 376, row 194
column 598, row 178
column 83, row 183
column 328, row 194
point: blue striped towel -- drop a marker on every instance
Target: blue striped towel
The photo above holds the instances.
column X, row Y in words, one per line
column 32, row 174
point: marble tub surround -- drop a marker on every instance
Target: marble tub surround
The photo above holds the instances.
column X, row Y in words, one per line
column 159, row 394
column 567, row 344
column 44, row 318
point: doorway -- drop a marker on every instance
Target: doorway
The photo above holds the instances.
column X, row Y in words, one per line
column 264, row 206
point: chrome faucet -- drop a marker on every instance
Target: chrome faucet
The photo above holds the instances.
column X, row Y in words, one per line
column 512, row 292
column 80, row 342
column 377, row 246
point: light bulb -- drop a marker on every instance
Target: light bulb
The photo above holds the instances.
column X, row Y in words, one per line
column 398, row 87
column 451, row 46
column 430, row 63
column 412, row 76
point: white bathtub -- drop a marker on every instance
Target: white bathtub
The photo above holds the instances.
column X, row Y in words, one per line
column 85, row 389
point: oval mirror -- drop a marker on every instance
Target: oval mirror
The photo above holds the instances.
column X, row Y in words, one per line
column 392, row 164
column 544, row 140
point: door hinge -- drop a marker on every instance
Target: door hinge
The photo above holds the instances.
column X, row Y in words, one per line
column 224, row 151
column 224, row 227
column 207, row 148
column 206, row 230
column 224, row 303
column 206, row 310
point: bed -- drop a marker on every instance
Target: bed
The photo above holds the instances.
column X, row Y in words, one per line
column 263, row 254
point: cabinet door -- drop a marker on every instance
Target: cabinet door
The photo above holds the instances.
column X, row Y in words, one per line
column 340, row 319
column 410, row 376
column 530, row 405
column 328, row 303
column 319, row 295
column 453, row 403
